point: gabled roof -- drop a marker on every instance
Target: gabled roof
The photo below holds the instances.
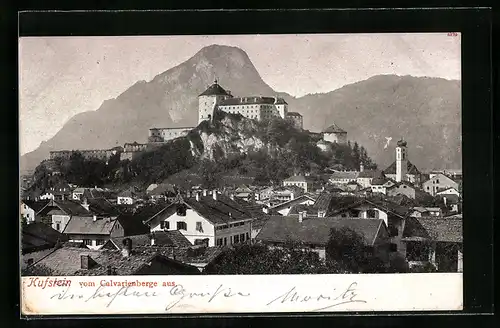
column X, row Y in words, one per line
column 87, row 226
column 296, row 209
column 70, row 207
column 370, row 174
column 38, row 235
column 447, row 229
column 411, row 169
column 385, row 205
column 344, row 175
column 172, row 238
column 296, row 178
column 102, row 207
column 316, row 230
column 294, row 114
column 66, row 261
column 214, row 90
column 36, row 206
column 291, row 202
column 334, row 128
column 220, row 211
column 132, row 224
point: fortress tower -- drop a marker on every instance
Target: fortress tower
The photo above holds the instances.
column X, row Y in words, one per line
column 401, row 161
column 209, row 99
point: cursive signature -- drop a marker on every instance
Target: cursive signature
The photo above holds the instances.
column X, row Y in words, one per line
column 346, row 296
column 181, row 293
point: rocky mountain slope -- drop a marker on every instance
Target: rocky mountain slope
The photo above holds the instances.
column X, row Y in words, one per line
column 426, row 111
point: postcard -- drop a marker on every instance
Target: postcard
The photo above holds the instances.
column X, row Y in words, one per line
column 240, row 173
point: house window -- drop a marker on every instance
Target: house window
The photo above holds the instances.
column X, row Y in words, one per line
column 225, row 241
column 236, row 239
column 393, row 247
column 181, row 210
column 437, row 181
column 181, row 226
column 164, row 225
column 242, row 237
column 99, row 242
column 219, row 242
column 199, row 227
column 248, row 236
column 58, row 226
column 87, row 242
column 371, row 214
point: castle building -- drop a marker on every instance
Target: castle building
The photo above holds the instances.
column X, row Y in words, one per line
column 166, row 134
column 296, row 119
column 102, row 154
column 254, row 107
column 132, row 150
column 335, row 134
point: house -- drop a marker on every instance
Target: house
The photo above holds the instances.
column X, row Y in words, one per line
column 163, row 192
column 401, row 188
column 244, row 192
column 343, row 177
column 77, row 193
column 61, row 191
column 63, row 211
column 420, row 211
column 39, row 236
column 263, row 194
column 169, row 238
column 126, row 197
column 285, row 207
column 451, row 202
column 335, row 134
column 96, row 229
column 380, row 185
column 438, row 182
column 365, row 177
column 314, row 233
column 31, row 210
column 284, row 194
column 447, row 191
column 299, row 181
column 71, row 261
column 437, row 241
column 393, row 215
column 214, row 219
column 352, row 186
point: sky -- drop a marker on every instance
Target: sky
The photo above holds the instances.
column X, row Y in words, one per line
column 60, row 77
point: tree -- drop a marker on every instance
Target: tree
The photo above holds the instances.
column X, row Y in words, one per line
column 37, row 270
column 260, row 259
column 346, row 248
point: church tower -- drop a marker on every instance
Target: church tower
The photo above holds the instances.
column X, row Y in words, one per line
column 208, row 101
column 401, row 161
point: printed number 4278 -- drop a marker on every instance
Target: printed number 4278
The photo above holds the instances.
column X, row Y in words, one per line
column 453, row 34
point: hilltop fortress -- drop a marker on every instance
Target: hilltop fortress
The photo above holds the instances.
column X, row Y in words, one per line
column 217, row 98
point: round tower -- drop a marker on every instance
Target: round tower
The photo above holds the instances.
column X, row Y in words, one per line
column 209, row 99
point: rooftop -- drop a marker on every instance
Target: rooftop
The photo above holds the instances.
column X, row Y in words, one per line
column 411, row 169
column 334, row 128
column 252, row 100
column 294, row 114
column 315, row 230
column 447, row 229
column 215, row 90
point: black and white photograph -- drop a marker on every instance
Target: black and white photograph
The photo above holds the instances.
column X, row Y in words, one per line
column 277, row 154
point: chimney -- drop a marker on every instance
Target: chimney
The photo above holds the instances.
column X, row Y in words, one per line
column 85, row 204
column 361, row 167
column 127, row 247
column 204, row 192
column 152, row 236
column 94, row 218
column 214, row 194
column 85, row 261
column 197, row 195
column 302, row 214
column 230, row 214
column 444, row 200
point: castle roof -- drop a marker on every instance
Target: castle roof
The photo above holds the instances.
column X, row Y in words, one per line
column 215, row 90
column 293, row 114
column 252, row 100
column 334, row 128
